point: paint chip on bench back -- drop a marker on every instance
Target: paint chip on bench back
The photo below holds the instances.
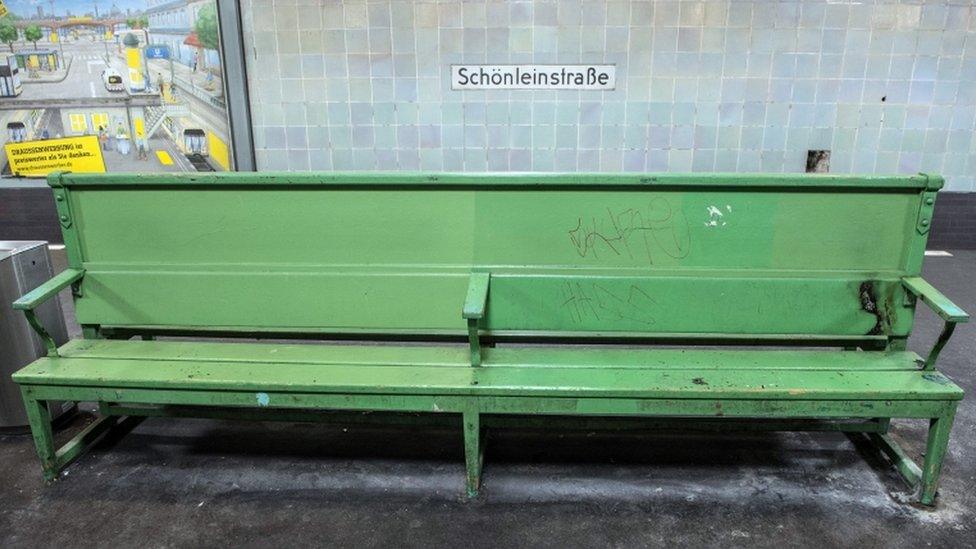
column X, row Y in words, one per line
column 263, row 399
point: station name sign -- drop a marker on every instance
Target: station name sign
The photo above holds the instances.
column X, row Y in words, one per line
column 533, row 77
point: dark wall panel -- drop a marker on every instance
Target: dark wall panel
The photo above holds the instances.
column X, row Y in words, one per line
column 28, row 214
column 954, row 223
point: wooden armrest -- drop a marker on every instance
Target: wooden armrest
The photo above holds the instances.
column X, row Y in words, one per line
column 474, row 310
column 949, row 311
column 477, row 299
column 39, row 295
column 49, row 289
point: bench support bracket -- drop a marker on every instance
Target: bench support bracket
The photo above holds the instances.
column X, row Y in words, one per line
column 903, row 464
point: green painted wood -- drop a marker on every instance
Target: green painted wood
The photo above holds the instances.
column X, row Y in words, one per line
column 494, row 380
column 477, row 298
column 753, row 258
column 474, row 310
column 83, row 440
column 935, row 449
column 49, row 289
column 474, row 449
column 607, row 230
column 939, row 303
column 444, row 355
column 42, row 293
column 575, row 406
column 420, row 302
column 495, row 180
column 617, row 424
column 908, row 469
column 39, row 416
column 601, row 254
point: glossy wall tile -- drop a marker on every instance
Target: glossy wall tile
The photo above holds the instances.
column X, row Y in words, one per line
column 886, row 86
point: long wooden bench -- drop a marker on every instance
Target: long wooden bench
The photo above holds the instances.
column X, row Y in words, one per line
column 784, row 301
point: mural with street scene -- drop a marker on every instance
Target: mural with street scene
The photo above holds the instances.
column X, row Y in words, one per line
column 143, row 76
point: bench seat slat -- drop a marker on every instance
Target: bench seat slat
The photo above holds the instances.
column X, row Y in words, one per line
column 525, row 356
column 680, row 381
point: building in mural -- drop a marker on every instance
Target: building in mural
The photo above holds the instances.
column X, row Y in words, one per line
column 144, row 76
column 173, row 23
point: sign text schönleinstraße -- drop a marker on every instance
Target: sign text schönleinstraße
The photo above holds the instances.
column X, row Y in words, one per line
column 533, row 77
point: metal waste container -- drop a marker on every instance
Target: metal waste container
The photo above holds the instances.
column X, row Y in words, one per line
column 24, row 265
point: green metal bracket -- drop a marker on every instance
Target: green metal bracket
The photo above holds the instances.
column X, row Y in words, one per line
column 61, row 203
column 908, row 469
column 49, row 344
column 946, row 309
column 933, row 182
column 42, row 293
column 474, row 311
column 925, row 212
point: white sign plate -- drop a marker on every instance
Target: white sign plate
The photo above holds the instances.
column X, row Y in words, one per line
column 533, row 77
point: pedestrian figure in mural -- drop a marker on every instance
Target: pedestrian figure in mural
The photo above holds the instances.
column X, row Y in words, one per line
column 143, row 149
column 209, row 81
column 45, row 134
column 103, row 137
column 196, row 60
column 122, row 141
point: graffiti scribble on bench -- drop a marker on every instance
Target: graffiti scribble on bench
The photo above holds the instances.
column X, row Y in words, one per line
column 656, row 228
column 596, row 301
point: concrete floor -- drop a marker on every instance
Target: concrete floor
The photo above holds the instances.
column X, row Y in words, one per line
column 191, row 482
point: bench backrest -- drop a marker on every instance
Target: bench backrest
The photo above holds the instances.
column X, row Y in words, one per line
column 762, row 257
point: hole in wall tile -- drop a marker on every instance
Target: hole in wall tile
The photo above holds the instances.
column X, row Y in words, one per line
column 818, row 161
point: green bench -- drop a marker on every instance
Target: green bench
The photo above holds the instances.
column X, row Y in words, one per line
column 742, row 301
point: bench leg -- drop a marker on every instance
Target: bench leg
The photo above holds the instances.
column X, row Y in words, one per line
column 935, row 450
column 53, row 459
column 40, row 423
column 473, row 450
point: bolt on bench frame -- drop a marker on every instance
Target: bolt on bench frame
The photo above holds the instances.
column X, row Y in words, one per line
column 689, row 260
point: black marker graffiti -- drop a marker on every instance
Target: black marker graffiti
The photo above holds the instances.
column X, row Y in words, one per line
column 593, row 300
column 658, row 228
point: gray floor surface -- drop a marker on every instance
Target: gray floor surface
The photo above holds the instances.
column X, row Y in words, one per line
column 195, row 483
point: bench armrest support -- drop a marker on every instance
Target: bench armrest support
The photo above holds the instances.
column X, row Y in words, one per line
column 474, row 310
column 39, row 295
column 949, row 311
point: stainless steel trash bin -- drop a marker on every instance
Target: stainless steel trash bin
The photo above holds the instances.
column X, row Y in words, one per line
column 24, row 265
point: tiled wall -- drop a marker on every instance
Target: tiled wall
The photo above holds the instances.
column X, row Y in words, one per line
column 702, row 86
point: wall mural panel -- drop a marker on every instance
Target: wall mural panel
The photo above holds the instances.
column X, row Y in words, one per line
column 142, row 77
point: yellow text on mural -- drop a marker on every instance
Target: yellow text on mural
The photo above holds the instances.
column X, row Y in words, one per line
column 39, row 158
